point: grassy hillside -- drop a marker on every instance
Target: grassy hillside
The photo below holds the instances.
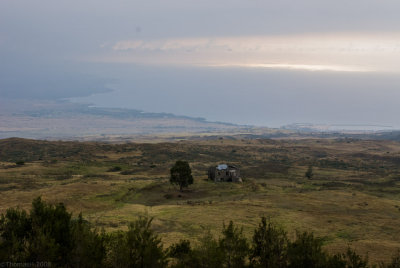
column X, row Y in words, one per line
column 353, row 197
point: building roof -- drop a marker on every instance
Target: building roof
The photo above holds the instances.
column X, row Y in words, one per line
column 222, row 166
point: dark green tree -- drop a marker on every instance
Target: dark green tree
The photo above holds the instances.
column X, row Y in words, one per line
column 182, row 253
column 336, row 261
column 51, row 232
column 43, row 235
column 309, row 173
column 208, row 253
column 140, row 246
column 15, row 230
column 47, row 233
column 117, row 250
column 88, row 245
column 145, row 246
column 306, row 251
column 269, row 247
column 181, row 174
column 355, row 260
column 395, row 263
column 349, row 259
column 234, row 246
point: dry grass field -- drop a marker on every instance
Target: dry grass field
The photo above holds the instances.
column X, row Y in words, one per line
column 352, row 199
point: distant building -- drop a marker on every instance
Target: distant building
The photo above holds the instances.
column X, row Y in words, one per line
column 224, row 172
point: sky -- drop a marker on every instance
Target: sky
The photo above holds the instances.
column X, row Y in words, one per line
column 256, row 62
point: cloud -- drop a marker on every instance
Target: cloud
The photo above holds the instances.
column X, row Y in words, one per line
column 184, row 44
column 344, row 43
column 318, row 52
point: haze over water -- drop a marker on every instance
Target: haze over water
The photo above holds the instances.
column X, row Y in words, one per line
column 266, row 63
column 261, row 97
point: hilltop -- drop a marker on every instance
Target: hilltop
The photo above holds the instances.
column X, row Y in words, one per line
column 353, row 197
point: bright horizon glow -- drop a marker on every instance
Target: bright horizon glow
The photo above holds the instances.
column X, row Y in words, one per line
column 334, row 68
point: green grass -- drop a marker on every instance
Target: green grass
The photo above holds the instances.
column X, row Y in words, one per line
column 354, row 196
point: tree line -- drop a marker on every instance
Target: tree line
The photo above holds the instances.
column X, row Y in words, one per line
column 48, row 233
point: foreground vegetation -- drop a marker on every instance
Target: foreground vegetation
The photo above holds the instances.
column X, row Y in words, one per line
column 49, row 234
column 351, row 198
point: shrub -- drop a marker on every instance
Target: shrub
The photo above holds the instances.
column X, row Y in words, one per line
column 114, row 169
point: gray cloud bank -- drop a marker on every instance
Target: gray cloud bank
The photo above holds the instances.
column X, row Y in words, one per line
column 68, row 30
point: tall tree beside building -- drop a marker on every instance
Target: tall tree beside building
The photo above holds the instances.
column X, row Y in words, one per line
column 309, row 173
column 181, row 174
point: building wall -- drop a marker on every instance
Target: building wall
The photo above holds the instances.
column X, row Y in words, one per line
column 230, row 174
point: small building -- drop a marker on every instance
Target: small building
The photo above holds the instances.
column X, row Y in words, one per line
column 224, row 172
